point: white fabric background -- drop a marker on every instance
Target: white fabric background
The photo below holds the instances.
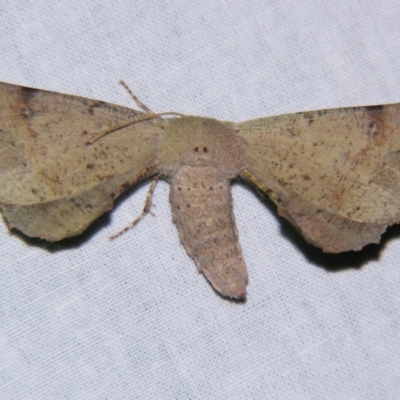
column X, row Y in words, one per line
column 90, row 319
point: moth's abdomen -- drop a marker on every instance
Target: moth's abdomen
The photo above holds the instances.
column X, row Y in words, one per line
column 202, row 210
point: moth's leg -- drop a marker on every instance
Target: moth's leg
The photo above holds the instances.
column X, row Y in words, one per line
column 135, row 99
column 146, row 209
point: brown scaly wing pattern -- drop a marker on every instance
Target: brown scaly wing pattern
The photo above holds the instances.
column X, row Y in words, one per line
column 334, row 174
column 52, row 183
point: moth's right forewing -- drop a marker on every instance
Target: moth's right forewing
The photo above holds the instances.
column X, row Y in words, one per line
column 44, row 151
column 335, row 174
column 49, row 173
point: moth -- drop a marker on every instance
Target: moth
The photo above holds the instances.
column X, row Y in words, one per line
column 334, row 174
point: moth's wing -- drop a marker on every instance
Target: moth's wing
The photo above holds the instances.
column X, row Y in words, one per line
column 68, row 216
column 52, row 183
column 334, row 174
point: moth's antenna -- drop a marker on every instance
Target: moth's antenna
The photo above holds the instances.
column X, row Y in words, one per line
column 135, row 99
column 129, row 123
column 146, row 117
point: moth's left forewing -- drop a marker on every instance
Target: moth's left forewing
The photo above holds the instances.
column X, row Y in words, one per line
column 50, row 174
column 335, row 174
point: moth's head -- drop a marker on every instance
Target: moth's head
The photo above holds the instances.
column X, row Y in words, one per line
column 198, row 141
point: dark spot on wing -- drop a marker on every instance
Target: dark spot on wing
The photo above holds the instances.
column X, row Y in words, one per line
column 93, row 106
column 29, row 93
column 374, row 109
column 309, row 116
column 321, row 112
column 125, row 186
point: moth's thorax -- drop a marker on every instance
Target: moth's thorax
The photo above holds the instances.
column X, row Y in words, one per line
column 202, row 142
